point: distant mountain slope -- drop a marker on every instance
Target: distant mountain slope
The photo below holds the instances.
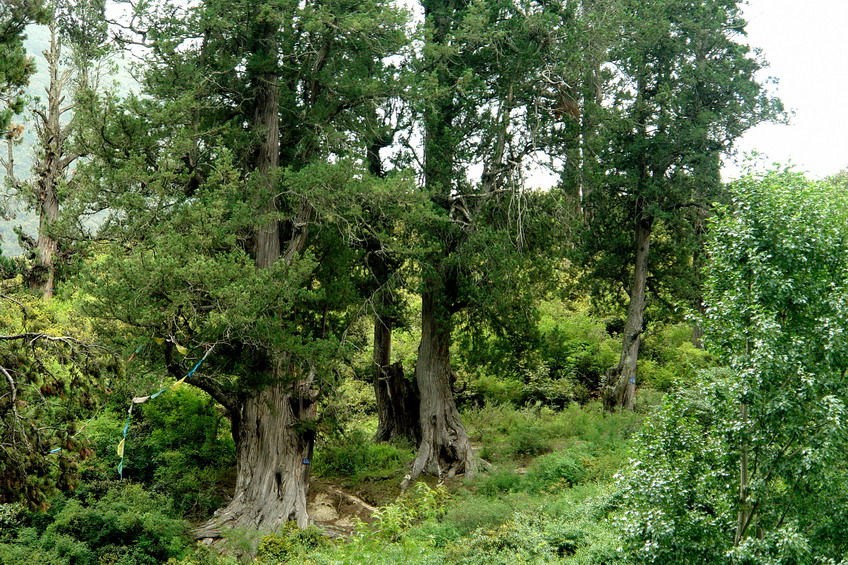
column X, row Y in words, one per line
column 37, row 41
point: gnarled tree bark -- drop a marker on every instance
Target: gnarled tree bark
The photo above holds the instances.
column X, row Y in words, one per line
column 444, row 443
column 273, row 461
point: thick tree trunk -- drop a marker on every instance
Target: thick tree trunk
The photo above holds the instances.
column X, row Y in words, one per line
column 274, row 447
column 620, row 386
column 273, row 464
column 444, row 443
column 397, row 398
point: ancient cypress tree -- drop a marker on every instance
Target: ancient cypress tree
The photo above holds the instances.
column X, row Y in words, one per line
column 237, row 212
column 483, row 103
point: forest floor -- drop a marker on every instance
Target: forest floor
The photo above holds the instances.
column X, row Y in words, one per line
column 547, row 494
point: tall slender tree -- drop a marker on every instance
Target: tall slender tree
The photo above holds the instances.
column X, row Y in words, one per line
column 482, row 103
column 73, row 61
column 686, row 89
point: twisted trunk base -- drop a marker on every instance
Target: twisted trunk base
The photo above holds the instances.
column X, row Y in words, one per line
column 273, row 464
column 444, row 448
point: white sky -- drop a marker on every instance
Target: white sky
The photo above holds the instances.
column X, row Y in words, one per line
column 806, row 44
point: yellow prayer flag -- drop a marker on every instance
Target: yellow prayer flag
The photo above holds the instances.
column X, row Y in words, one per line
column 179, row 382
column 121, row 447
column 181, row 349
column 159, row 340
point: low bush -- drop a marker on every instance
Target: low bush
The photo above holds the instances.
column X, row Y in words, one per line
column 289, row 543
column 527, row 439
column 356, row 455
column 557, row 470
column 127, row 526
column 499, row 482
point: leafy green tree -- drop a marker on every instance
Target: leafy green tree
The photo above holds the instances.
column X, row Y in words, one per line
column 682, row 90
column 735, row 471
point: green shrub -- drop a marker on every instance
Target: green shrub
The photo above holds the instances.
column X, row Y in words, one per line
column 499, row 482
column 393, row 521
column 670, row 360
column 12, row 517
column 491, row 389
column 528, row 440
column 288, row 543
column 203, row 555
column 177, row 444
column 560, row 469
column 521, row 540
column 127, row 526
column 355, row 455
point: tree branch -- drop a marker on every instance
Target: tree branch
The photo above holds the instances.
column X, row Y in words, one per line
column 226, row 398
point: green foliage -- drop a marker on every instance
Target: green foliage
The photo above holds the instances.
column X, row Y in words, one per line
column 751, row 450
column 500, row 481
column 573, row 428
column 564, row 365
column 678, row 496
column 15, row 66
column 568, row 363
column 355, row 455
column 669, row 359
column 521, row 540
column 126, row 526
column 52, row 377
column 290, row 543
column 567, row 527
column 178, row 444
column 394, row 521
column 557, row 470
column 527, row 440
column 203, row 555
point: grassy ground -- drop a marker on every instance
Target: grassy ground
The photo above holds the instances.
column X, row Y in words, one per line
column 547, row 494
